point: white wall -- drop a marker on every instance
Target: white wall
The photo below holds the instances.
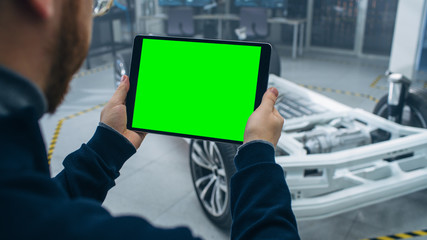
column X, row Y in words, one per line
column 407, row 34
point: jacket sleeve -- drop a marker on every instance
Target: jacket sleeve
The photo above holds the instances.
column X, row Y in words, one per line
column 260, row 198
column 90, row 171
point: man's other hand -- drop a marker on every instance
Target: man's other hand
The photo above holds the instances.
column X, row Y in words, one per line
column 265, row 123
column 114, row 114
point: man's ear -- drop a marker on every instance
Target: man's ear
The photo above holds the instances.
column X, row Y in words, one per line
column 43, row 8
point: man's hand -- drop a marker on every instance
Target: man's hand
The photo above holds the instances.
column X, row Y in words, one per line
column 265, row 123
column 114, row 114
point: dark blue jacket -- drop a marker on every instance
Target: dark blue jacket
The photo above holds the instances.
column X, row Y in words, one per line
column 35, row 206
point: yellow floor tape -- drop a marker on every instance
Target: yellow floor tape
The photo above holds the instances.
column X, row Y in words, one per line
column 54, row 139
column 92, row 71
column 349, row 93
column 406, row 235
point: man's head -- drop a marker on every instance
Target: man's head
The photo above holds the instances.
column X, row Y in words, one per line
column 46, row 41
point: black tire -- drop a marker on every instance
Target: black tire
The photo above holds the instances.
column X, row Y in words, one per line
column 414, row 112
column 218, row 161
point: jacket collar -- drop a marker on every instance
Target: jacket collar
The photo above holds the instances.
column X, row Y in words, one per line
column 17, row 92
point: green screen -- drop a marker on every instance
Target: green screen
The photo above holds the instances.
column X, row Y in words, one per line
column 194, row 88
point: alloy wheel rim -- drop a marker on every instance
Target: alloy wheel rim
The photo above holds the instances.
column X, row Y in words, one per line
column 209, row 176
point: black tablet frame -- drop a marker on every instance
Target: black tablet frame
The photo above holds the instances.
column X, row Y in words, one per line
column 262, row 80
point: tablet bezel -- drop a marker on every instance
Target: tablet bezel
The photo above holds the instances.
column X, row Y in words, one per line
column 262, row 80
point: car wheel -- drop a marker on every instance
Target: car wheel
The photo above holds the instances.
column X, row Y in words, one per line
column 414, row 112
column 212, row 165
column 121, row 66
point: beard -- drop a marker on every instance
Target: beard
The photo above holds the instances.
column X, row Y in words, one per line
column 68, row 52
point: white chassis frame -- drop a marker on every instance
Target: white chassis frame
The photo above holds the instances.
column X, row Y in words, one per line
column 354, row 178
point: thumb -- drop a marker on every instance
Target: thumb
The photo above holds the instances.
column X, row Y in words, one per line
column 269, row 98
column 119, row 96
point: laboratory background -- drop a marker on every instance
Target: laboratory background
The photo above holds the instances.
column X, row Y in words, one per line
column 352, row 78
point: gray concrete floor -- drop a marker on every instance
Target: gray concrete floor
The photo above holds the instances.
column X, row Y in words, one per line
column 156, row 182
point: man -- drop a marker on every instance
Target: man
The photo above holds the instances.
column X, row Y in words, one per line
column 42, row 44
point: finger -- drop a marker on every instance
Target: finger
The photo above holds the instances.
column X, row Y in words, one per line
column 135, row 138
column 277, row 114
column 269, row 98
column 141, row 133
column 119, row 96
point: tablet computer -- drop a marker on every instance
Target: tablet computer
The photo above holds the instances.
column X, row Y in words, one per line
column 196, row 88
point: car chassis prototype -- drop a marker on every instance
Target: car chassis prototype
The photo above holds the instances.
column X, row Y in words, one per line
column 335, row 158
